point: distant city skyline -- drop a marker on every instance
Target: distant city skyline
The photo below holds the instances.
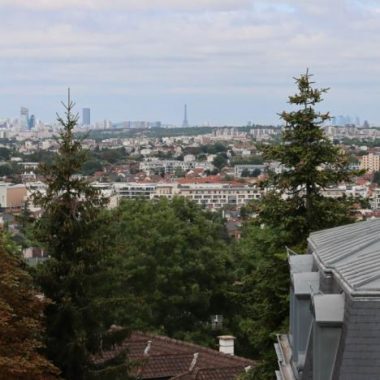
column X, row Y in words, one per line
column 230, row 61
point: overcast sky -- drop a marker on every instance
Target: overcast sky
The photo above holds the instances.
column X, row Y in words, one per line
column 230, row 60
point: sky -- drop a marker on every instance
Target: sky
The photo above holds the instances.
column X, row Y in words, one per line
column 230, row 61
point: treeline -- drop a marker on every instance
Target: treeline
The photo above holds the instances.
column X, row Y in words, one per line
column 165, row 266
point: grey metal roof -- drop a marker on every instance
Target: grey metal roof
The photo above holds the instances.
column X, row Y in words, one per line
column 328, row 308
column 352, row 252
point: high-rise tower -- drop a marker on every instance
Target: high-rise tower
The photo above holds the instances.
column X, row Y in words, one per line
column 24, row 117
column 32, row 122
column 86, row 116
column 185, row 123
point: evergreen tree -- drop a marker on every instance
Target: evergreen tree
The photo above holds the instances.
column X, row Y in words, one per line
column 287, row 214
column 72, row 277
column 311, row 163
column 21, row 327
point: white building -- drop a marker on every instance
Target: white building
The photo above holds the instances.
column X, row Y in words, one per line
column 210, row 196
column 156, row 166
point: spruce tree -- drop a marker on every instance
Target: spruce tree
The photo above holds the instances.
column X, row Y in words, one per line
column 21, row 324
column 71, row 230
column 311, row 163
column 293, row 207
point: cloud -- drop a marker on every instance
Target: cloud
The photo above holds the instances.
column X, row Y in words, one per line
column 204, row 48
column 130, row 5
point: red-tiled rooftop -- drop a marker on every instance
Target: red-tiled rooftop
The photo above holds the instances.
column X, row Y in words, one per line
column 211, row 374
column 168, row 358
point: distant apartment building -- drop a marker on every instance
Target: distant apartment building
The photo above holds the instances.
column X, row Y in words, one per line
column 375, row 199
column 354, row 191
column 12, row 196
column 334, row 297
column 210, row 196
column 370, row 163
column 217, row 196
column 132, row 190
column 155, row 166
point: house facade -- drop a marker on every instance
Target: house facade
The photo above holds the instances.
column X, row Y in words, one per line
column 334, row 331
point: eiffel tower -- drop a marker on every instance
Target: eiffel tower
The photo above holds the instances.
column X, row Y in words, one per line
column 185, row 123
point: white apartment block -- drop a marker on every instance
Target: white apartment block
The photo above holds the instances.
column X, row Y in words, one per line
column 210, row 196
column 132, row 190
column 169, row 166
column 217, row 196
column 345, row 190
column 370, row 162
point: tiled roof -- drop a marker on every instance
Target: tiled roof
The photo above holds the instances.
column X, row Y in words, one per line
column 211, row 374
column 174, row 359
column 165, row 365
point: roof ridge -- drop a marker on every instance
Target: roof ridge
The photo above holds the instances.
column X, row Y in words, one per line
column 193, row 345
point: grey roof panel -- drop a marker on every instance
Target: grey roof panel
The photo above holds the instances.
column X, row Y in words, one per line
column 328, row 308
column 301, row 263
column 353, row 252
column 305, row 283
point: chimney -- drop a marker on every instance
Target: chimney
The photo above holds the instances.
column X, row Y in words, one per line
column 226, row 344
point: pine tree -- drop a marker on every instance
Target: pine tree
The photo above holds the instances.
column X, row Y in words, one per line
column 21, row 325
column 311, row 163
column 71, row 231
column 287, row 214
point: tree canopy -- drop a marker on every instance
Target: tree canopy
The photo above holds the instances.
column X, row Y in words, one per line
column 176, row 260
column 286, row 215
column 311, row 163
column 21, row 323
column 72, row 277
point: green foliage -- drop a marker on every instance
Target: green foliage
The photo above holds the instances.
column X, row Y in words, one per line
column 5, row 170
column 286, row 216
column 376, row 178
column 250, row 173
column 111, row 156
column 261, row 293
column 5, row 154
column 220, row 161
column 312, row 162
column 176, row 260
column 42, row 156
column 91, row 166
column 70, row 229
column 179, row 172
column 202, row 150
column 21, row 325
column 251, row 160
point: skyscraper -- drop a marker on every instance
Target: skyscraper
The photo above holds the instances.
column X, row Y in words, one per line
column 185, row 123
column 86, row 116
column 32, row 122
column 24, row 117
